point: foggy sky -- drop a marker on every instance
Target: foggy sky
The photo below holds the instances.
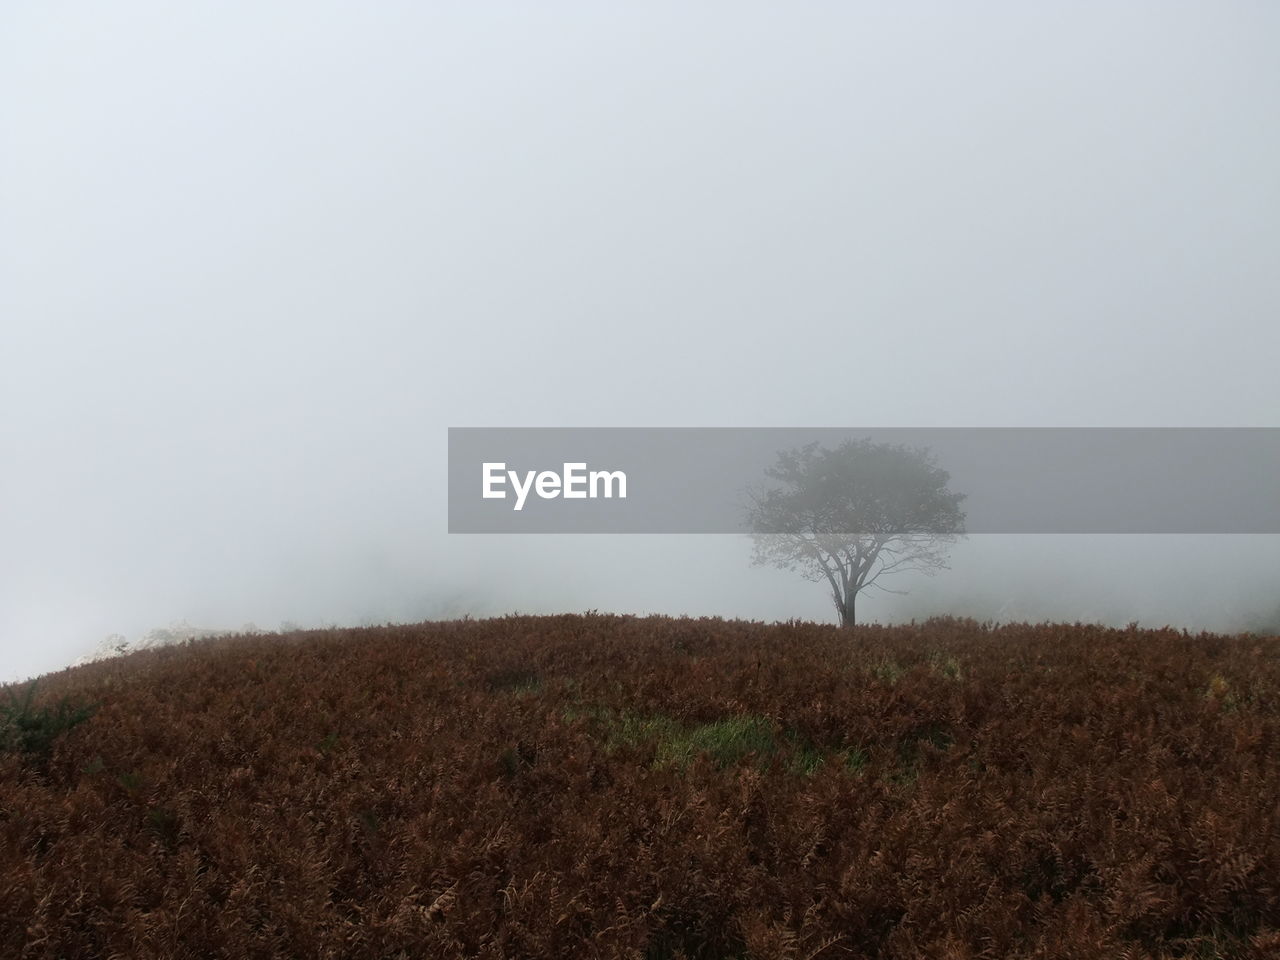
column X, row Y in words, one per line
column 255, row 259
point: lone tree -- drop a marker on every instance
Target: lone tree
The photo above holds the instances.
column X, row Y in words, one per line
column 853, row 514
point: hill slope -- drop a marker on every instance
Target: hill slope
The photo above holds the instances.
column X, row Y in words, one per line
column 624, row 787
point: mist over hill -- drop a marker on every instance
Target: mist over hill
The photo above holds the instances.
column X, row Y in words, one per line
column 255, row 264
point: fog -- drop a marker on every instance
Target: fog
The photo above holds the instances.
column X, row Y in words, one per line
column 254, row 262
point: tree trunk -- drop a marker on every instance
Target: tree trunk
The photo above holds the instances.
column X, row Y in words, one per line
column 846, row 608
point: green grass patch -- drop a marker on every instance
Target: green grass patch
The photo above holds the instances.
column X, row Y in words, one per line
column 855, row 759
column 945, row 666
column 889, row 671
column 726, row 742
column 805, row 757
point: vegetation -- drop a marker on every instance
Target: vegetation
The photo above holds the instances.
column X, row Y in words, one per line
column 650, row 788
column 32, row 730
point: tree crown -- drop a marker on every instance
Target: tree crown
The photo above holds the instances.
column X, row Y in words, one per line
column 858, row 488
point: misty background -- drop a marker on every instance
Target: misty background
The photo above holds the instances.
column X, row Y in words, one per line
column 256, row 259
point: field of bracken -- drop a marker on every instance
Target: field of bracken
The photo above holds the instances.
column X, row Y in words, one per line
column 600, row 786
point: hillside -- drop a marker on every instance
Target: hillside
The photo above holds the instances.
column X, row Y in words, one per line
column 598, row 786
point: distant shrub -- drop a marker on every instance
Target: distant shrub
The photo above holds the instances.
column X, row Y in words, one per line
column 31, row 730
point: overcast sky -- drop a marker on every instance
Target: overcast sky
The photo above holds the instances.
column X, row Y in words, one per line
column 255, row 259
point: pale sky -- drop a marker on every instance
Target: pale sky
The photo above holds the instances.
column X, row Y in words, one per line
column 256, row 259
